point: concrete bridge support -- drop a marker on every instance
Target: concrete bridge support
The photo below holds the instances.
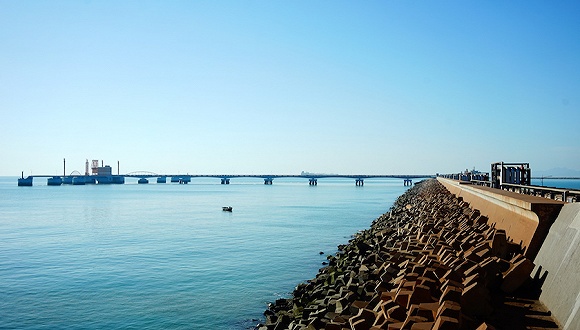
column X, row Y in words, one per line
column 225, row 181
column 359, row 182
column 408, row 182
column 312, row 182
column 54, row 181
column 25, row 182
column 268, row 181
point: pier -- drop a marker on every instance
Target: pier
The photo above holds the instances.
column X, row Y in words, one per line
column 103, row 174
column 516, row 177
column 105, row 177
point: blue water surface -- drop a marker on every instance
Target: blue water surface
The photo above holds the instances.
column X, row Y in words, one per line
column 573, row 184
column 165, row 256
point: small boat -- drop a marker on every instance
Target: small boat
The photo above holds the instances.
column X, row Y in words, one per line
column 227, row 208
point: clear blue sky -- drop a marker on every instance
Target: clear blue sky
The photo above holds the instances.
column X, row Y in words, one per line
column 372, row 87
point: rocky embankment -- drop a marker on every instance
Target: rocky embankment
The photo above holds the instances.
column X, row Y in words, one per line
column 431, row 262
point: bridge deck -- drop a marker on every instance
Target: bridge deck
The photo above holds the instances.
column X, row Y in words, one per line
column 263, row 176
column 76, row 179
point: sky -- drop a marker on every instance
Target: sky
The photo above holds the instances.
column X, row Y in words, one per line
column 280, row 87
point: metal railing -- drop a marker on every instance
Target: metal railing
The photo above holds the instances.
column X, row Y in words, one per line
column 560, row 194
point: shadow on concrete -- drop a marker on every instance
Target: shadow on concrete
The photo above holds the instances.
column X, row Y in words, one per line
column 519, row 313
column 533, row 289
column 523, row 309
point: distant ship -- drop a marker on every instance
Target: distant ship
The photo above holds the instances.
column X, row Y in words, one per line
column 305, row 173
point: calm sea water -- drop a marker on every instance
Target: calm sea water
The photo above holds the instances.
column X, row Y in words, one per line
column 568, row 184
column 165, row 256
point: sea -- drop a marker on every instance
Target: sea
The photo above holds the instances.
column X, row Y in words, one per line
column 165, row 256
column 572, row 184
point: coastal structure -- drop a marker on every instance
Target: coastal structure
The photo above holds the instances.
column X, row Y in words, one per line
column 104, row 175
column 451, row 253
column 548, row 231
column 25, row 182
column 184, row 179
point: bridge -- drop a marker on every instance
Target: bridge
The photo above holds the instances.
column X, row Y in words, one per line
column 269, row 178
column 143, row 176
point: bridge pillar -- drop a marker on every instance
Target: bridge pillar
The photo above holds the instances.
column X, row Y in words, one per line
column 268, row 181
column 312, row 182
column 359, row 182
column 225, row 181
column 54, row 181
column 25, row 182
column 408, row 182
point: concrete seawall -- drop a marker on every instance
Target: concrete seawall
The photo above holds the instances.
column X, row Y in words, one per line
column 433, row 261
column 559, row 256
column 526, row 219
column 551, row 232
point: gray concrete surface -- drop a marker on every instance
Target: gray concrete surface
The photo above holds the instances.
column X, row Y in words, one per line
column 560, row 257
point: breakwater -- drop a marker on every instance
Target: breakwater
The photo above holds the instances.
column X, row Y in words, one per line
column 431, row 262
column 526, row 219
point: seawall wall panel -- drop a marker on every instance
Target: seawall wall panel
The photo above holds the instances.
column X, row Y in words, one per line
column 560, row 257
column 526, row 219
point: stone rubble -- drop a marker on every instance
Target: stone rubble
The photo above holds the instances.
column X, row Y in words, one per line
column 431, row 262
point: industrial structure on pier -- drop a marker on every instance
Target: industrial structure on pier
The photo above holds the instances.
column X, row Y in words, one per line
column 98, row 174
